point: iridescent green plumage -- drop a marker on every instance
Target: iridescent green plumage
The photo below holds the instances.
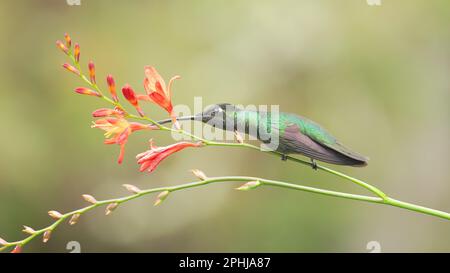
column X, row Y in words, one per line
column 284, row 132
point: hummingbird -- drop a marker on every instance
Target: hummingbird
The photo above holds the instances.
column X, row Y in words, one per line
column 295, row 134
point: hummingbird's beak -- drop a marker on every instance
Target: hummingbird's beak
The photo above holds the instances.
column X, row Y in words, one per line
column 196, row 117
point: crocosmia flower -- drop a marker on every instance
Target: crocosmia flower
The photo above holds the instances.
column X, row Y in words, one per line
column 150, row 159
column 158, row 92
column 117, row 130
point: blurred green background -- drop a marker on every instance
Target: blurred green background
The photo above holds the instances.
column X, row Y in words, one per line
column 376, row 77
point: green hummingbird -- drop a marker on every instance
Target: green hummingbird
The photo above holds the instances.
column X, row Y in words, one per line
column 292, row 134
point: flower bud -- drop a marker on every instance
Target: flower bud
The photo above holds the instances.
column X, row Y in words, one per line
column 132, row 188
column 62, row 46
column 28, row 230
column 112, row 87
column 129, row 94
column 89, row 198
column 161, row 197
column 199, row 174
column 72, row 69
column 91, row 67
column 46, row 236
column 3, row 242
column 105, row 112
column 55, row 215
column 249, row 186
column 74, row 219
column 87, row 91
column 76, row 52
column 68, row 40
column 110, row 208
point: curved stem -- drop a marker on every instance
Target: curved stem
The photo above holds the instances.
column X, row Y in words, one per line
column 262, row 182
column 361, row 183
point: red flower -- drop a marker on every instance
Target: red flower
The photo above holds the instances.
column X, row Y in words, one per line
column 117, row 131
column 158, row 92
column 150, row 159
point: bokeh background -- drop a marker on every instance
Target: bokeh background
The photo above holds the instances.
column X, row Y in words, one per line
column 377, row 77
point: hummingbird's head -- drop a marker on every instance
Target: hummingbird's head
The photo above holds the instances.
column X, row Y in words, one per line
column 216, row 112
column 216, row 115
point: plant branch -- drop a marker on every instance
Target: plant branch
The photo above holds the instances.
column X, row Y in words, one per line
column 165, row 191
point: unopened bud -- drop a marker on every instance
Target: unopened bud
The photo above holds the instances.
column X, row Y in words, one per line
column 3, row 242
column 131, row 188
column 74, row 219
column 110, row 208
column 62, row 46
column 106, row 112
column 249, row 186
column 68, row 40
column 76, row 52
column 28, row 230
column 129, row 94
column 112, row 87
column 199, row 174
column 91, row 67
column 72, row 69
column 55, row 215
column 131, row 97
column 46, row 236
column 89, row 198
column 87, row 91
column 161, row 197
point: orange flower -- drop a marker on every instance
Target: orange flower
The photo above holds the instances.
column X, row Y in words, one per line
column 117, row 131
column 158, row 92
column 150, row 159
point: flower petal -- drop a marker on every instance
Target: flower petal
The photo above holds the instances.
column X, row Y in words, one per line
column 154, row 77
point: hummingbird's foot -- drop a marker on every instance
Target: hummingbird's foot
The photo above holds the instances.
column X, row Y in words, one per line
column 313, row 164
column 284, row 157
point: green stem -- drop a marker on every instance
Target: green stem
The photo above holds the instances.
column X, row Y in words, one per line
column 264, row 182
column 369, row 187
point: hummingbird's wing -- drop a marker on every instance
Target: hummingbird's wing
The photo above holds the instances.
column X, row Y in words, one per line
column 320, row 146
